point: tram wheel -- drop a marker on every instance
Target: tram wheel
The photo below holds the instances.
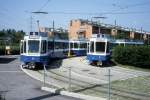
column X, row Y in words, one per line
column 99, row 64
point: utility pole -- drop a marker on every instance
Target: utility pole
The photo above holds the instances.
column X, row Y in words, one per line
column 53, row 34
column 44, row 78
column 115, row 29
column 39, row 12
column 109, row 87
column 109, row 84
column 69, row 79
column 147, row 39
column 141, row 33
column 31, row 23
column 53, row 25
column 38, row 24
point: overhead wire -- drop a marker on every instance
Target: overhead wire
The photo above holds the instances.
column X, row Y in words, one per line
column 86, row 13
column 44, row 5
column 130, row 5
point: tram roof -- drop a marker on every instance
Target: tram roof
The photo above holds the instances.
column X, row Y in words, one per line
column 100, row 37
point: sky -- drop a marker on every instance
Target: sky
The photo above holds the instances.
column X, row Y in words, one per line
column 16, row 14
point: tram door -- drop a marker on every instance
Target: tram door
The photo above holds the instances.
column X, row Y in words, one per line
column 43, row 46
column 23, row 46
column 88, row 47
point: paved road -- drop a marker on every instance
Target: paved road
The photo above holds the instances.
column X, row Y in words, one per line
column 80, row 67
column 16, row 85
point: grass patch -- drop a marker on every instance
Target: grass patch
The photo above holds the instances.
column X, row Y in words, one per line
column 136, row 85
column 130, row 67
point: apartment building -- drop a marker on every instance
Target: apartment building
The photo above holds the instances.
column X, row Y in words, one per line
column 80, row 28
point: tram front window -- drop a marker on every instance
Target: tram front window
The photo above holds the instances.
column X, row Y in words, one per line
column 100, row 46
column 33, row 46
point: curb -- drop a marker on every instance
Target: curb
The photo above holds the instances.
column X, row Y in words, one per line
column 37, row 78
column 62, row 92
column 71, row 94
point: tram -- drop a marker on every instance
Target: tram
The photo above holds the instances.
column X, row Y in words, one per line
column 37, row 49
column 98, row 52
column 101, row 45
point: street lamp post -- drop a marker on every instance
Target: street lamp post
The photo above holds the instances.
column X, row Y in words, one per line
column 69, row 79
column 38, row 12
column 109, row 84
column 44, row 67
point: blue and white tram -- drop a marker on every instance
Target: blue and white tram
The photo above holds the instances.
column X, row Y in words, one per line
column 33, row 50
column 98, row 52
column 101, row 45
column 58, row 48
column 37, row 49
column 126, row 42
column 78, row 47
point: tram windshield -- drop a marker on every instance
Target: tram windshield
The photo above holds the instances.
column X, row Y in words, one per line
column 100, row 46
column 33, row 46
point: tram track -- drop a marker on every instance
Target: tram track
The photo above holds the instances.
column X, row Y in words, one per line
column 97, row 88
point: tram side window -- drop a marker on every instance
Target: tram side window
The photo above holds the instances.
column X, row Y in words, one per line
column 58, row 45
column 83, row 45
column 100, row 46
column 92, row 47
column 24, row 47
column 65, row 45
column 75, row 45
column 44, row 45
column 71, row 45
column 50, row 45
column 61, row 45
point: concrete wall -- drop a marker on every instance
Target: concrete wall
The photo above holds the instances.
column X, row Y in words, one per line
column 77, row 28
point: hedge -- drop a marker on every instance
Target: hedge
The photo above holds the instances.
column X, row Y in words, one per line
column 132, row 55
column 2, row 50
column 14, row 50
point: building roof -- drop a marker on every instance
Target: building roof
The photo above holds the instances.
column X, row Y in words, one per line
column 109, row 26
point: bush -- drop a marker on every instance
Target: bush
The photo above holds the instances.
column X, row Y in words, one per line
column 14, row 50
column 2, row 50
column 132, row 55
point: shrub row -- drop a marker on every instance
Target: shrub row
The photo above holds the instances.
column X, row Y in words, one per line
column 14, row 50
column 132, row 55
column 2, row 50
